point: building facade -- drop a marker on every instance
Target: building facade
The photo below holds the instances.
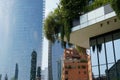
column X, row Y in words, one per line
column 57, row 52
column 20, row 33
column 75, row 65
column 99, row 31
column 44, row 75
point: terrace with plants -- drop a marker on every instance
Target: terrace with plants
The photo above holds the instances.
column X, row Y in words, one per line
column 60, row 21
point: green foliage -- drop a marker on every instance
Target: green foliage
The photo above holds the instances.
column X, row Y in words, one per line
column 73, row 8
column 116, row 6
column 52, row 27
column 56, row 23
column 97, row 4
column 60, row 20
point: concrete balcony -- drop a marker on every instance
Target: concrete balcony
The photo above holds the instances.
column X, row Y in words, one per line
column 93, row 23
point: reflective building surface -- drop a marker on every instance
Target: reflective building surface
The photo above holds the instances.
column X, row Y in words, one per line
column 20, row 34
column 57, row 54
column 105, row 56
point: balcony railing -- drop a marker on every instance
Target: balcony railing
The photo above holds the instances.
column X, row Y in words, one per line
column 92, row 17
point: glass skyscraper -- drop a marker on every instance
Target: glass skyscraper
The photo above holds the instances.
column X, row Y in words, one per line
column 57, row 53
column 20, row 34
column 50, row 58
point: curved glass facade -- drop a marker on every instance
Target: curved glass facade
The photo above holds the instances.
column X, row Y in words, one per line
column 105, row 56
column 20, row 34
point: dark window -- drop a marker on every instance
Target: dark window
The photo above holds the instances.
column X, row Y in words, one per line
column 78, row 67
column 66, row 72
column 69, row 67
column 83, row 67
column 73, row 67
column 66, row 67
column 66, row 79
column 84, row 72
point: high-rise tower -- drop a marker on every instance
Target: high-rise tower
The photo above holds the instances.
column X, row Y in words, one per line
column 20, row 33
column 0, row 76
column 6, row 77
column 16, row 72
column 33, row 66
column 38, row 77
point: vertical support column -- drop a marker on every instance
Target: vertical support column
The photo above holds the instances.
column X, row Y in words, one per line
column 115, row 58
column 91, row 63
column 107, row 72
column 98, row 59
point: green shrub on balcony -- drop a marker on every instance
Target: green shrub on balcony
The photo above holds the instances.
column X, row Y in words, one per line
column 97, row 4
column 116, row 7
column 115, row 4
column 60, row 20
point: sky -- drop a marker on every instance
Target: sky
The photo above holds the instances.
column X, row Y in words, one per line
column 20, row 34
column 50, row 6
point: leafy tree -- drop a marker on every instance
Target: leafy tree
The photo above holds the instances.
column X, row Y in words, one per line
column 70, row 9
column 96, row 4
column 73, row 8
column 51, row 26
column 60, row 20
column 116, row 6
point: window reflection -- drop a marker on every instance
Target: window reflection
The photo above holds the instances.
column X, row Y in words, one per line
column 109, row 49
column 117, row 45
column 107, row 62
